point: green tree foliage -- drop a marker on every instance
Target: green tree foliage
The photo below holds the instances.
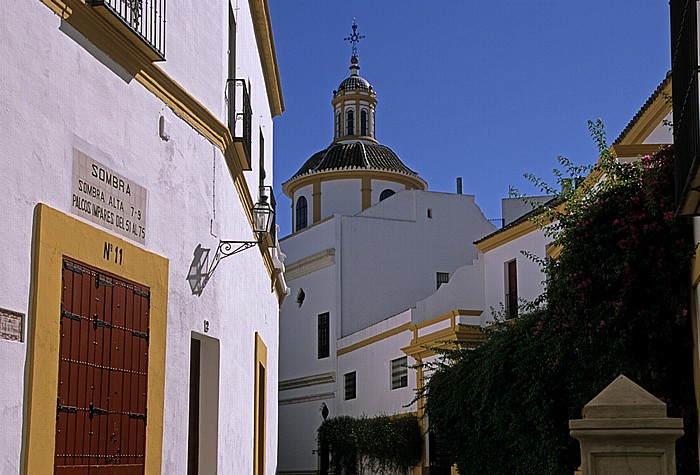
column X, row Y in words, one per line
column 616, row 301
column 381, row 444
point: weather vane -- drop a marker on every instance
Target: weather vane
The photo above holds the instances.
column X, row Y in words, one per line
column 354, row 38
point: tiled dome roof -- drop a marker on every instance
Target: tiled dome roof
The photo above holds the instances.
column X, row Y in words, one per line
column 355, row 155
column 354, row 83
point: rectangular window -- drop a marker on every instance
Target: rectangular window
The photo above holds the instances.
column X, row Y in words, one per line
column 350, row 385
column 511, row 289
column 399, row 373
column 442, row 278
column 323, row 335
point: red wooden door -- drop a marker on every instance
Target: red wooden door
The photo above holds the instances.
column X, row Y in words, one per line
column 103, row 374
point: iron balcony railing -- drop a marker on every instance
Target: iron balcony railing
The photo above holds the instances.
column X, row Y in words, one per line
column 145, row 18
column 240, row 116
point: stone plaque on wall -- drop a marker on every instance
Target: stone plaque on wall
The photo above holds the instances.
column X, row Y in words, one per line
column 11, row 325
column 108, row 199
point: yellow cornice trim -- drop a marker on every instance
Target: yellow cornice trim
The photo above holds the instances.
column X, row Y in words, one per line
column 695, row 270
column 94, row 27
column 378, row 337
column 650, row 119
column 291, row 187
column 266, row 44
column 635, row 150
column 446, row 338
column 310, row 264
column 506, row 236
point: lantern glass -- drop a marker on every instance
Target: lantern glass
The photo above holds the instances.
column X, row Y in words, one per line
column 262, row 216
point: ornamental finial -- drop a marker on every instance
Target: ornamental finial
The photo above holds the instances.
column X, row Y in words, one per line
column 354, row 38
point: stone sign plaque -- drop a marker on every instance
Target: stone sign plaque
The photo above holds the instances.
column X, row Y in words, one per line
column 11, row 325
column 108, row 199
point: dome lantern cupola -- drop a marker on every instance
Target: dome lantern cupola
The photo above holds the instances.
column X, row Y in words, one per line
column 354, row 104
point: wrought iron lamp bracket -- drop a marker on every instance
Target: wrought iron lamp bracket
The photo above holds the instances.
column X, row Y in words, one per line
column 229, row 248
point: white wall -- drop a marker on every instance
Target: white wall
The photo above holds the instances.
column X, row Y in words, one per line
column 341, row 197
column 372, row 364
column 387, row 265
column 57, row 97
column 530, row 275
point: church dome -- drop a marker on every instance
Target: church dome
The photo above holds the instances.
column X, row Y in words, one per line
column 354, row 156
column 355, row 83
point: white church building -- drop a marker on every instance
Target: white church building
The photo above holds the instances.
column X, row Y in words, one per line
column 378, row 267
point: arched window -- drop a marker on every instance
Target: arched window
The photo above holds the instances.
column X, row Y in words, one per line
column 337, row 124
column 302, row 208
column 385, row 194
column 350, row 122
column 364, row 122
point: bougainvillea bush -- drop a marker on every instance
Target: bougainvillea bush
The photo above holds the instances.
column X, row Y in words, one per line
column 616, row 301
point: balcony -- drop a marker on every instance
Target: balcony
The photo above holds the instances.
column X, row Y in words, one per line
column 142, row 21
column 240, row 117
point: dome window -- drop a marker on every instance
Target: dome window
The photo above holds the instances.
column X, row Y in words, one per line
column 364, row 122
column 301, row 215
column 385, row 194
column 350, row 122
column 337, row 124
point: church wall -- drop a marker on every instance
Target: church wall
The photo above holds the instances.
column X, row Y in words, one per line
column 387, row 265
column 380, row 185
column 58, row 98
column 341, row 197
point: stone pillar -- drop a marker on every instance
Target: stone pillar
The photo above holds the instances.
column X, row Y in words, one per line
column 625, row 431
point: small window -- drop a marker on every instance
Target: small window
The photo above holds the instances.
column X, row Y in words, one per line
column 350, row 122
column 430, row 213
column 364, row 122
column 337, row 124
column 385, row 194
column 511, row 289
column 323, row 336
column 442, row 278
column 399, row 373
column 302, row 208
column 350, row 386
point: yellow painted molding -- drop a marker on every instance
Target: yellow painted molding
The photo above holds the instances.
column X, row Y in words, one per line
column 507, row 235
column 266, row 45
column 374, row 339
column 635, row 150
column 290, row 187
column 650, row 118
column 315, row 262
column 258, row 431
column 316, row 195
column 696, row 347
column 366, row 192
column 104, row 35
column 449, row 315
column 426, row 345
column 695, row 271
column 57, row 235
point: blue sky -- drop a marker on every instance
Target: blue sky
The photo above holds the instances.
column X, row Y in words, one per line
column 479, row 89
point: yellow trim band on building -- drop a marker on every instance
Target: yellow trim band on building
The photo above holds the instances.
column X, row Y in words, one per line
column 411, row 183
column 57, row 235
column 259, row 433
column 374, row 339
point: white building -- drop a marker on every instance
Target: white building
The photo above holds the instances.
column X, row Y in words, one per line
column 378, row 266
column 119, row 174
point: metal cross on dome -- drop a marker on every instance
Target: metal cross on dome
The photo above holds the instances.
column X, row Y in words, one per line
column 354, row 38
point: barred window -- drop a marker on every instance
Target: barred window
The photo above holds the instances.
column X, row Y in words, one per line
column 323, row 336
column 399, row 373
column 442, row 278
column 350, row 385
